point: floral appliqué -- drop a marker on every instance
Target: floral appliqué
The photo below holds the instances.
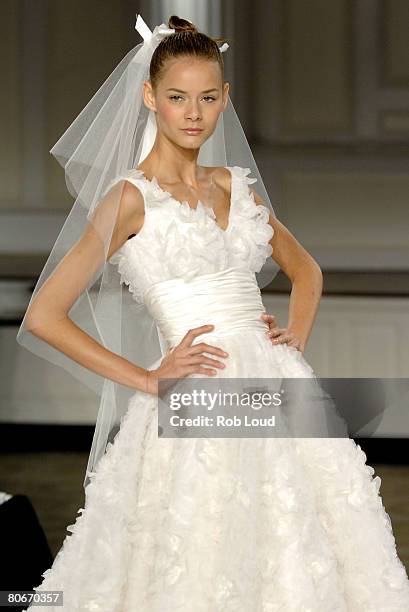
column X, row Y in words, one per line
column 178, row 241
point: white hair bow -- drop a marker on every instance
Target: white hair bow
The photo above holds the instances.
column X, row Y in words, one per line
column 147, row 34
column 159, row 32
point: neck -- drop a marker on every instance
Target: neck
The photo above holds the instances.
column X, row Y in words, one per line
column 173, row 167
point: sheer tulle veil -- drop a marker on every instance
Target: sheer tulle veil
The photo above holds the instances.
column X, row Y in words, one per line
column 113, row 134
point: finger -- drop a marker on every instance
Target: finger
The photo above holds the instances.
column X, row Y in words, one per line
column 191, row 334
column 281, row 340
column 207, row 348
column 295, row 342
column 268, row 317
column 207, row 360
column 277, row 331
column 198, row 370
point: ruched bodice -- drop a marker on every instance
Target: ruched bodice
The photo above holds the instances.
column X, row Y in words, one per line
column 230, row 300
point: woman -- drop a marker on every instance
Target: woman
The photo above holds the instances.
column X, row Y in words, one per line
column 206, row 524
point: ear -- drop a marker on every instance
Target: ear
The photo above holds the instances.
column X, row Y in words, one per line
column 226, row 88
column 149, row 96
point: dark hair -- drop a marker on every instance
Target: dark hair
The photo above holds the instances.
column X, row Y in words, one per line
column 186, row 40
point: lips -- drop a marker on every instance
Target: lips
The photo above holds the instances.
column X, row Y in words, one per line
column 192, row 130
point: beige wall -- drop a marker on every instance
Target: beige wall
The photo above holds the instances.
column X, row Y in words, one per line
column 10, row 105
column 322, row 89
column 326, row 101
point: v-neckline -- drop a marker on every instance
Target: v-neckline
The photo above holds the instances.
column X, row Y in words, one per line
column 154, row 181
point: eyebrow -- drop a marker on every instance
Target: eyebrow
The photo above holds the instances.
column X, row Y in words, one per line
column 184, row 92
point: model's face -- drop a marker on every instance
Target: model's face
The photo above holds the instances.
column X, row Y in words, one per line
column 191, row 94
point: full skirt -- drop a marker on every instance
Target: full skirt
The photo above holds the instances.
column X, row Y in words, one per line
column 230, row 524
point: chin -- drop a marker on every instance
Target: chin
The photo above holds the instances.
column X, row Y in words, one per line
column 191, row 143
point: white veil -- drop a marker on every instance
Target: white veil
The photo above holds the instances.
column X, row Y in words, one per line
column 113, row 134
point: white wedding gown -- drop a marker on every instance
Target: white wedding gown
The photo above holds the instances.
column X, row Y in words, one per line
column 223, row 524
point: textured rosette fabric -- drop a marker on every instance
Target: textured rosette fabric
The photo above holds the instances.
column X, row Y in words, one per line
column 178, row 241
column 188, row 243
column 249, row 240
column 230, row 525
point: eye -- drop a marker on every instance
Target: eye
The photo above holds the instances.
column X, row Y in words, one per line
column 175, row 97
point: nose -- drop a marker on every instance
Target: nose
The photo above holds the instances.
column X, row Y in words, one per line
column 193, row 111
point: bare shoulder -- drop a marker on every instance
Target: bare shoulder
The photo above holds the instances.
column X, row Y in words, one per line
column 132, row 209
column 127, row 193
column 221, row 176
column 131, row 213
column 131, row 199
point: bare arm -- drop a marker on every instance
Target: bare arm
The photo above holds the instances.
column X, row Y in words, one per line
column 48, row 317
column 305, row 276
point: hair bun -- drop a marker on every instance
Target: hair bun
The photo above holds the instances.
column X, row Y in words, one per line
column 181, row 25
